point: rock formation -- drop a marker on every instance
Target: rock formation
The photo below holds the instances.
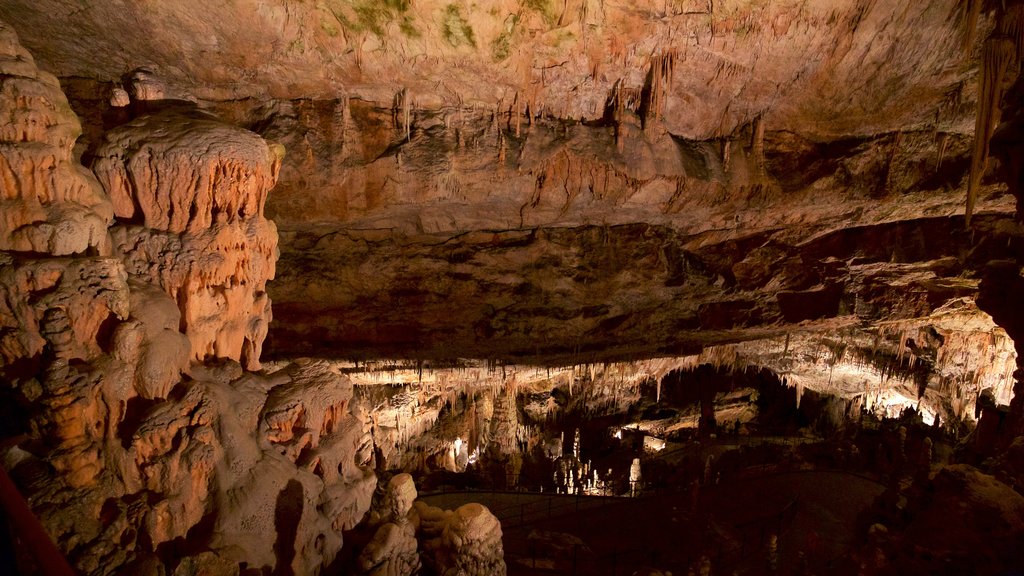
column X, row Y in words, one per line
column 773, row 191
column 412, row 533
column 191, row 191
column 467, row 540
column 145, row 446
column 50, row 204
column 393, row 550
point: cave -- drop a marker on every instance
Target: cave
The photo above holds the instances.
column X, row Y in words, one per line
column 523, row 287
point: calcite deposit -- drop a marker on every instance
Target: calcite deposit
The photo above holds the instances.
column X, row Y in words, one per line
column 412, row 534
column 190, row 192
column 503, row 230
column 466, row 540
column 49, row 203
column 143, row 444
column 393, row 550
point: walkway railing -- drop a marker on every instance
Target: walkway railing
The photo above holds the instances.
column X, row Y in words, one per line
column 579, row 560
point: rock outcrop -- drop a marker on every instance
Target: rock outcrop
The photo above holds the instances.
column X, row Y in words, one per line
column 190, row 192
column 49, row 203
column 393, row 550
column 466, row 540
column 143, row 444
column 412, row 533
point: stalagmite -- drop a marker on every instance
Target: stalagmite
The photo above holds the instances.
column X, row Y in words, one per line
column 634, row 477
column 393, row 550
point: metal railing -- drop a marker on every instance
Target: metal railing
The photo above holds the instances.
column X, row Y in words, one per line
column 579, row 560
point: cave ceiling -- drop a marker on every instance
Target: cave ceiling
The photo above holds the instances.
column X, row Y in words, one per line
column 583, row 180
column 825, row 69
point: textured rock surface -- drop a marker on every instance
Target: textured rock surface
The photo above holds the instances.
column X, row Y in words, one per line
column 694, row 175
column 196, row 189
column 466, row 539
column 942, row 529
column 565, row 183
column 593, row 293
column 393, row 550
column 49, row 204
column 142, row 444
column 827, row 66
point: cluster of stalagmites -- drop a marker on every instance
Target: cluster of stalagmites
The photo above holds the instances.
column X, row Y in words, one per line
column 130, row 306
column 412, row 534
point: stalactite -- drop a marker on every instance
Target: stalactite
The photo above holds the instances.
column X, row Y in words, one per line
column 999, row 55
column 972, row 13
column 406, row 113
column 897, row 139
column 519, row 114
column 623, row 99
column 757, row 148
column 660, row 74
column 402, row 113
column 1011, row 25
column 942, row 140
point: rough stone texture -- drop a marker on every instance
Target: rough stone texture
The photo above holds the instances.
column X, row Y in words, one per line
column 459, row 170
column 516, row 180
column 138, row 456
column 150, row 341
column 467, row 540
column 197, row 465
column 393, row 550
column 687, row 208
column 88, row 292
column 196, row 188
column 596, row 293
column 827, row 66
column 49, row 204
column 943, row 528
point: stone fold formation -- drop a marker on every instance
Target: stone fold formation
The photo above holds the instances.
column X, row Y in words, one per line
column 131, row 306
column 413, row 534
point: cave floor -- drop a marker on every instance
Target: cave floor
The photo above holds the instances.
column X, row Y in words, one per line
column 813, row 513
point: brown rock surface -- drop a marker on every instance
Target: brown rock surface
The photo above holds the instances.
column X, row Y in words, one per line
column 562, row 183
column 137, row 456
column 196, row 188
column 827, row 66
column 49, row 204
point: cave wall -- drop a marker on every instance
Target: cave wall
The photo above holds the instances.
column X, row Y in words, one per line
column 539, row 201
column 130, row 302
